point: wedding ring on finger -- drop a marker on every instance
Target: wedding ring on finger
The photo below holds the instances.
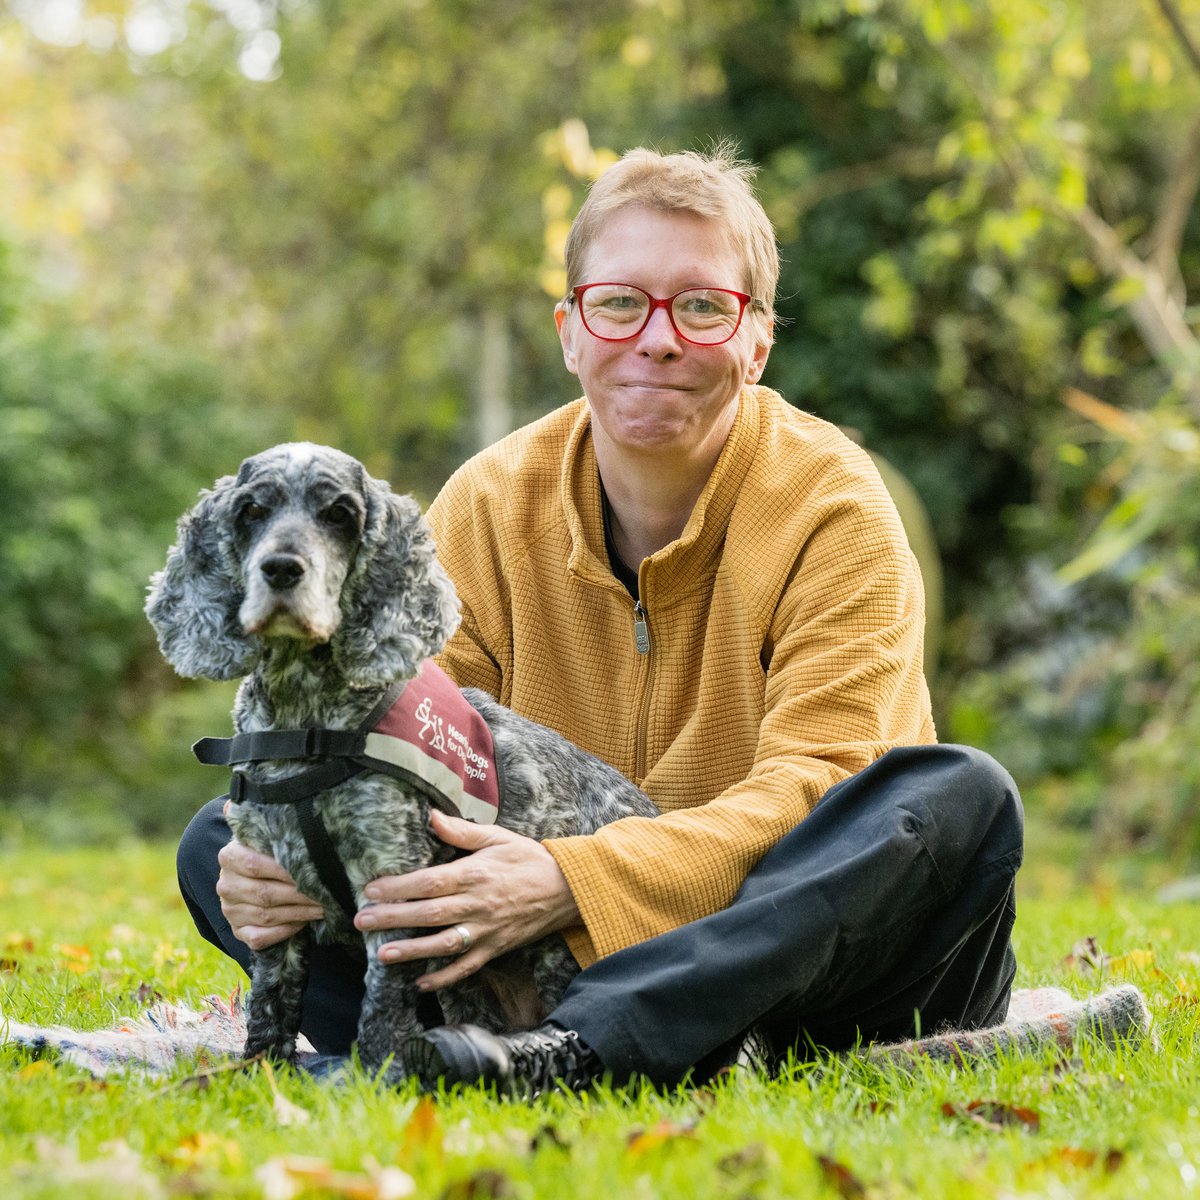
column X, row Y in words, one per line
column 465, row 937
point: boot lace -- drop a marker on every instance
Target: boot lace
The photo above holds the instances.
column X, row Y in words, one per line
column 544, row 1061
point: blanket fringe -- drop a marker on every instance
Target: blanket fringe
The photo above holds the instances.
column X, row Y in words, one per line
column 168, row 1035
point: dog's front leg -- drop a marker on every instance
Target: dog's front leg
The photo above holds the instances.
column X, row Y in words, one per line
column 277, row 978
column 389, row 1011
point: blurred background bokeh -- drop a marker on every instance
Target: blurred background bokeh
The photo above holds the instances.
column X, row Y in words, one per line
column 225, row 223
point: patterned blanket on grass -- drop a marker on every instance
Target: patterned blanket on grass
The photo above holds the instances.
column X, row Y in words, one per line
column 167, row 1035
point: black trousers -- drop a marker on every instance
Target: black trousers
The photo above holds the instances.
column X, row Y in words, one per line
column 886, row 913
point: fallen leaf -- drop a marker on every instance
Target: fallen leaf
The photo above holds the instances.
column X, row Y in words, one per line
column 1070, row 1073
column 1135, row 961
column 34, row 1069
column 992, row 1114
column 483, row 1185
column 77, row 952
column 202, row 1147
column 1085, row 956
column 1109, row 1161
column 286, row 1113
column 753, row 1159
column 549, row 1135
column 642, row 1141
column 291, row 1175
column 80, row 1087
column 423, row 1133
column 148, row 994
column 841, row 1178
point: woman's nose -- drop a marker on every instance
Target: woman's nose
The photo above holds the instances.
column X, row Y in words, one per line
column 659, row 338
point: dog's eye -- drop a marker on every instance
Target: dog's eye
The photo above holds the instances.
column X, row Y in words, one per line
column 341, row 516
column 250, row 513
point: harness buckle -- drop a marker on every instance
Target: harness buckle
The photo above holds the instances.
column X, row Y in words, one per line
column 237, row 787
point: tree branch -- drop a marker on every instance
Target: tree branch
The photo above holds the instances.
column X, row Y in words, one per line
column 910, row 161
column 1175, row 19
column 1166, row 238
column 1156, row 313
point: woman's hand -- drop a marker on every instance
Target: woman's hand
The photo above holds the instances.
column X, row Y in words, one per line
column 507, row 892
column 259, row 898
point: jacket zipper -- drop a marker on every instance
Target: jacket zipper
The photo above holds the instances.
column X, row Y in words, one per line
column 641, row 630
column 641, row 638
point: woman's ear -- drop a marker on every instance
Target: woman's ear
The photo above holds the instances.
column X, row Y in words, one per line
column 566, row 335
column 194, row 600
column 762, row 351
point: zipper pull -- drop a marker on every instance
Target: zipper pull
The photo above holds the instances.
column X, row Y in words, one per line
column 641, row 631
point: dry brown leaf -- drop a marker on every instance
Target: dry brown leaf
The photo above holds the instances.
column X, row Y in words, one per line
column 549, row 1135
column 77, row 959
column 147, row 993
column 994, row 1115
column 202, row 1147
column 754, row 1159
column 841, row 1178
column 642, row 1141
column 1086, row 955
column 423, row 1133
column 291, row 1175
column 482, row 1185
column 1109, row 1161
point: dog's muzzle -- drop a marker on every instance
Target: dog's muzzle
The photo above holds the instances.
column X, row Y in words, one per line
column 282, row 571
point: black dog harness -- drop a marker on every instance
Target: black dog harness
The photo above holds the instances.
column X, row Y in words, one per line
column 422, row 731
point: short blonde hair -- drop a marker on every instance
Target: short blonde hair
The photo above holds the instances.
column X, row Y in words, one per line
column 714, row 185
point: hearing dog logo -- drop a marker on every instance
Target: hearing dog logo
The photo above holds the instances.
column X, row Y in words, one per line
column 431, row 726
column 447, row 738
column 433, row 733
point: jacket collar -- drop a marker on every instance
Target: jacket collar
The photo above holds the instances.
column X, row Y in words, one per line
column 675, row 568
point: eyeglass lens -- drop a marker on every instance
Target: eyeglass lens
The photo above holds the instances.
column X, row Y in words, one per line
column 705, row 315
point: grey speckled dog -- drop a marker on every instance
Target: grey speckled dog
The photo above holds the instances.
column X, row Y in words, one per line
column 321, row 587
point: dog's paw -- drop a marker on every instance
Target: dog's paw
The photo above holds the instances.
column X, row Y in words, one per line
column 282, row 1054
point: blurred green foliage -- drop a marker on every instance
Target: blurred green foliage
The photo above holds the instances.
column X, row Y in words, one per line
column 345, row 222
column 100, row 450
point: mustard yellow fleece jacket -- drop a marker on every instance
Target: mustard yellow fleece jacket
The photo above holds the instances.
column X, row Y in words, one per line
column 784, row 654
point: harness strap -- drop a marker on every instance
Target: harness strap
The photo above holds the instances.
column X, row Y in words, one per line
column 295, row 787
column 299, row 791
column 266, row 744
column 324, row 856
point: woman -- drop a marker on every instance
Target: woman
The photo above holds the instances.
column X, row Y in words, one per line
column 711, row 591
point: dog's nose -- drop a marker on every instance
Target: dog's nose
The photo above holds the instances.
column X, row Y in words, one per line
column 282, row 571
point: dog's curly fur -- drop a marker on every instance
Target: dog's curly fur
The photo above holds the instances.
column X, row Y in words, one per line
column 321, row 586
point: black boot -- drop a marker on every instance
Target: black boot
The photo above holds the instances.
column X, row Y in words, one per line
column 525, row 1064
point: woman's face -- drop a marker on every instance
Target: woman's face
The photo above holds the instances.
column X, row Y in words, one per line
column 656, row 393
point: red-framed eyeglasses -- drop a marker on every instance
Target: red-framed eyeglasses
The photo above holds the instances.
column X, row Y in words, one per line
column 616, row 312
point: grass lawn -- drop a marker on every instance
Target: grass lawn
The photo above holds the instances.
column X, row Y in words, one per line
column 87, row 935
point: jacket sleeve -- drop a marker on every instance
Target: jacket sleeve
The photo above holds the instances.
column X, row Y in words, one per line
column 844, row 684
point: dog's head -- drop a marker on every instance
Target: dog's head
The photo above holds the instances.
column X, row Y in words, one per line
column 302, row 544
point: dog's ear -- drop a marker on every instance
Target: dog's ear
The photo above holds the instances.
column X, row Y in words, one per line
column 194, row 600
column 398, row 606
